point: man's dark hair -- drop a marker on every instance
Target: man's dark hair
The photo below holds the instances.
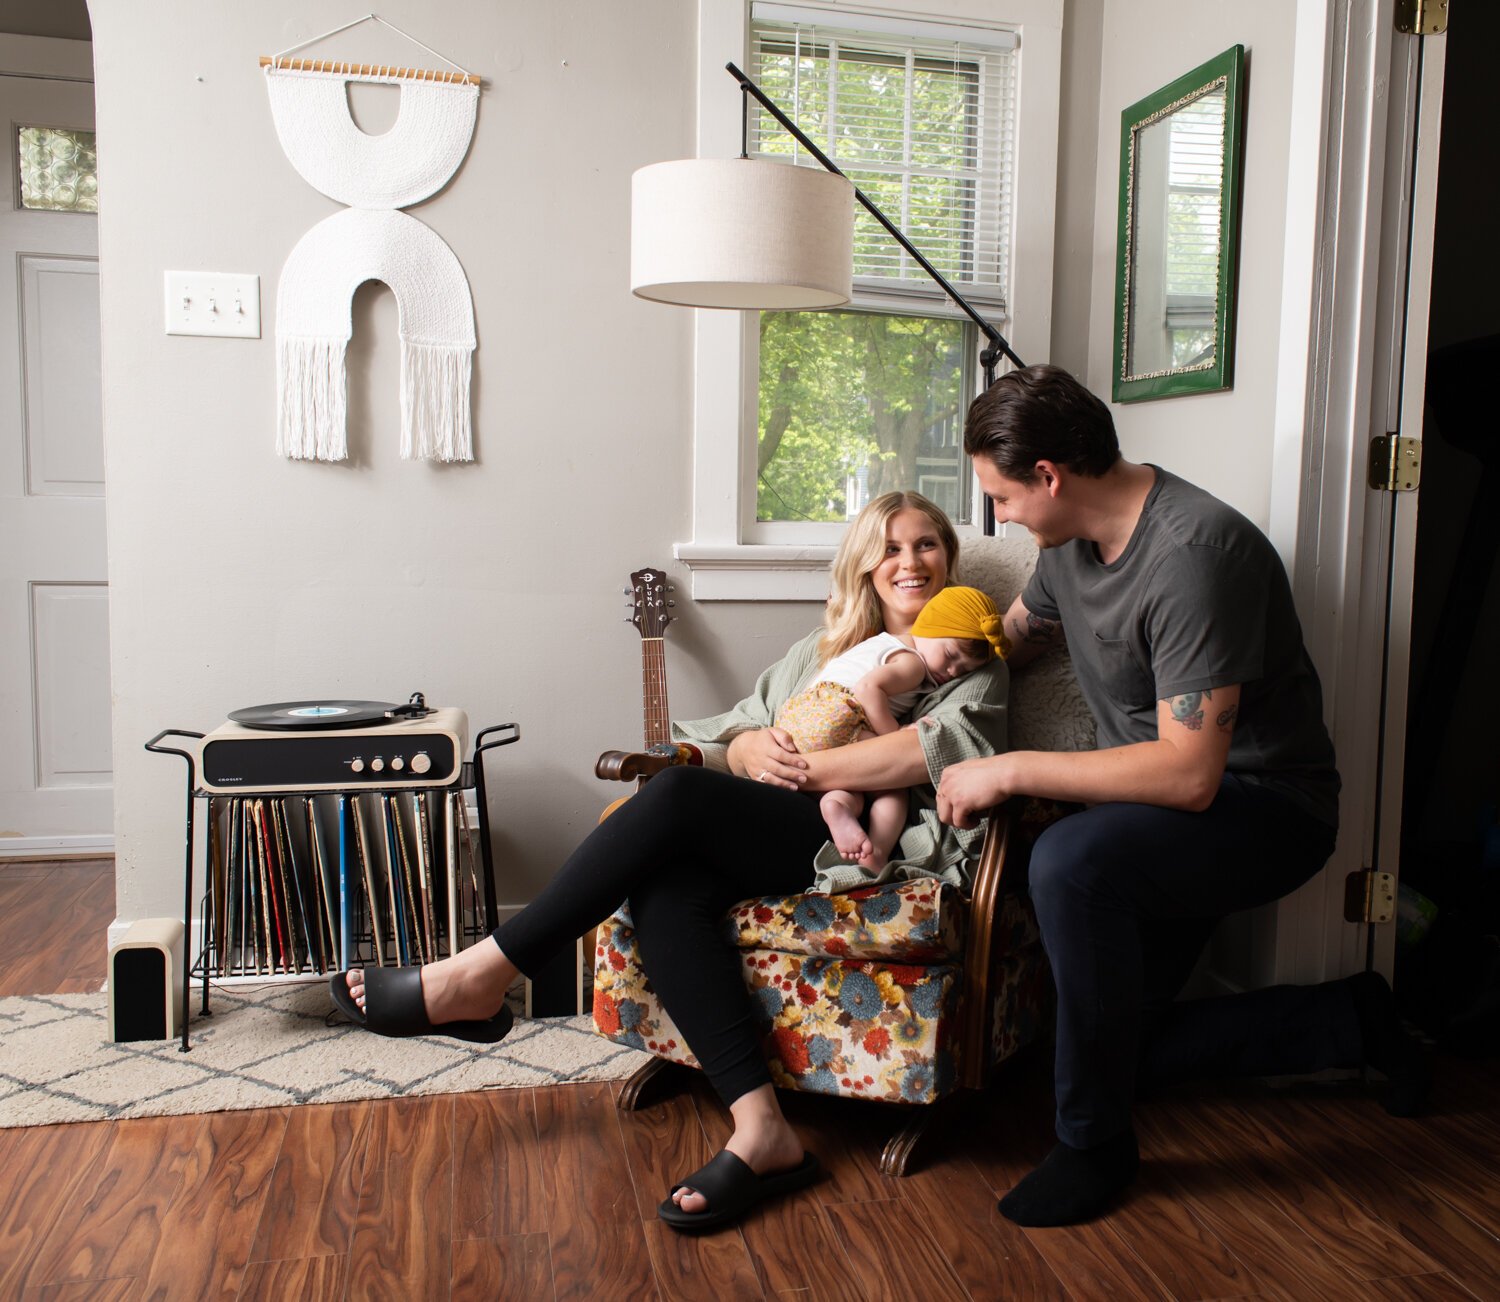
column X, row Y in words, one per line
column 1041, row 413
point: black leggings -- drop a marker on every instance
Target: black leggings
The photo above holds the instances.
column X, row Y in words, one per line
column 690, row 845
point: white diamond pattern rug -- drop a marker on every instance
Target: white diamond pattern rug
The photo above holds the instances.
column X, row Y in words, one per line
column 264, row 1047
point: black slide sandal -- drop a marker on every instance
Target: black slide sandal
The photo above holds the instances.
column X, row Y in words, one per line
column 394, row 1008
column 732, row 1189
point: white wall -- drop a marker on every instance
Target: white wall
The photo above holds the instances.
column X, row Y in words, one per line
column 239, row 578
column 1220, row 441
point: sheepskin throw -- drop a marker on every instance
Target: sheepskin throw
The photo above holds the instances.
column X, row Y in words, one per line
column 371, row 240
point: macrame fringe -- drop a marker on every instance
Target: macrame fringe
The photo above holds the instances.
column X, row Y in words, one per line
column 310, row 399
column 435, row 402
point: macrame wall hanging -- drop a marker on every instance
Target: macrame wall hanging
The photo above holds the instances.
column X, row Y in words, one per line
column 371, row 239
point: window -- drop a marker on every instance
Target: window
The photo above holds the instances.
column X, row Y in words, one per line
column 808, row 415
column 854, row 404
column 59, row 169
column 1195, row 177
column 849, row 402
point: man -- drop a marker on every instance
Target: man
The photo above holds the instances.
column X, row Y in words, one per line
column 1213, row 788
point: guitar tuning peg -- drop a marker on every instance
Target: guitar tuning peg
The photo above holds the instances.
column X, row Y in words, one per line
column 671, row 603
column 624, row 592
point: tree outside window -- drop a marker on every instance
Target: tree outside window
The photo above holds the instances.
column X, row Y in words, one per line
column 856, row 402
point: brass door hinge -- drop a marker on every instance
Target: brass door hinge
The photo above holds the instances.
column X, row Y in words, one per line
column 1422, row 17
column 1369, row 896
column 1395, row 463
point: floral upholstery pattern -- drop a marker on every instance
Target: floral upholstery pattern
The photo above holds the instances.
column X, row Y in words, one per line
column 857, row 994
column 916, row 921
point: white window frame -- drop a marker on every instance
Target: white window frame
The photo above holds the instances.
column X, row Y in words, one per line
column 723, row 565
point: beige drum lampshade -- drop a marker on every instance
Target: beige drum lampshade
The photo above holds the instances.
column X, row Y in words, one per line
column 741, row 233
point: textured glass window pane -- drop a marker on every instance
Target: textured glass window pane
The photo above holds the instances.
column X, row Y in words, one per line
column 59, row 169
column 854, row 404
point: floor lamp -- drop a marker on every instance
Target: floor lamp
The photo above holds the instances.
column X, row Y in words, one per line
column 746, row 234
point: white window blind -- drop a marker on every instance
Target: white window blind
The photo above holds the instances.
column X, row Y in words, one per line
column 1195, row 184
column 921, row 117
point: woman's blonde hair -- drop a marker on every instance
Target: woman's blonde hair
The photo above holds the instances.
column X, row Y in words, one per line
column 854, row 612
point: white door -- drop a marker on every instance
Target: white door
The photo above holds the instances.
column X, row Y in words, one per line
column 1361, row 199
column 1402, row 321
column 55, row 765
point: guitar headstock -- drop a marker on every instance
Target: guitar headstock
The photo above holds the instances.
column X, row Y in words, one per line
column 650, row 607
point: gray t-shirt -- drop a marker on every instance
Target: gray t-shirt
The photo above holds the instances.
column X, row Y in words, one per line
column 1198, row 599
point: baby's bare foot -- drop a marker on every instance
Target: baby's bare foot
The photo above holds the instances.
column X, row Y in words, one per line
column 844, row 829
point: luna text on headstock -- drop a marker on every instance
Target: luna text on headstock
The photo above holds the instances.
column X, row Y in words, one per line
column 651, row 607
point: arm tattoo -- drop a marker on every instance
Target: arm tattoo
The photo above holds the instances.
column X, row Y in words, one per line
column 1227, row 719
column 1187, row 709
column 1035, row 630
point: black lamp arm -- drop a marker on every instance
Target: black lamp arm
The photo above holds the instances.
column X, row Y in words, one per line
column 998, row 346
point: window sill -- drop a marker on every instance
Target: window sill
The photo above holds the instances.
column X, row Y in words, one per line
column 757, row 572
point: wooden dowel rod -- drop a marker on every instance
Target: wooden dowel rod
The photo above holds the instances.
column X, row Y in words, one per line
column 371, row 70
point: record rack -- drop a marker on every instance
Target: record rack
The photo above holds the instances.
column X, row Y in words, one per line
column 338, row 835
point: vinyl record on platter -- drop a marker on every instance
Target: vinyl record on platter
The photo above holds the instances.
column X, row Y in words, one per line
column 300, row 716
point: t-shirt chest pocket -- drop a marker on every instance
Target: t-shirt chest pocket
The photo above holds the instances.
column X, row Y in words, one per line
column 1121, row 675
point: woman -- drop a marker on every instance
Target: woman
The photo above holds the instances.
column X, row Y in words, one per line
column 697, row 840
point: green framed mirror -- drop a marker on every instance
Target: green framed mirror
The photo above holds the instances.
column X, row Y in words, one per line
column 1180, row 155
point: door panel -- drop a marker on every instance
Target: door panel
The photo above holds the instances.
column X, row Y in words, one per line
column 60, row 403
column 70, row 659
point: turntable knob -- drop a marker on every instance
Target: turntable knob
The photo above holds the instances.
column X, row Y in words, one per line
column 357, row 765
column 398, row 764
column 421, row 762
column 377, row 764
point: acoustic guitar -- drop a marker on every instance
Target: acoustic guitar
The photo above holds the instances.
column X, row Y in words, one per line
column 650, row 612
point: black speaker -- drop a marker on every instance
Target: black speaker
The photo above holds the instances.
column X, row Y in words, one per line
column 145, row 1002
column 140, row 980
column 557, row 990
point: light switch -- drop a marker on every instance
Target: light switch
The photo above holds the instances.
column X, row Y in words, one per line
column 213, row 303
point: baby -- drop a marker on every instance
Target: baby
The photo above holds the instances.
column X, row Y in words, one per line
column 859, row 694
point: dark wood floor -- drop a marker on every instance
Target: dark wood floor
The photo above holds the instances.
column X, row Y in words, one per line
column 551, row 1193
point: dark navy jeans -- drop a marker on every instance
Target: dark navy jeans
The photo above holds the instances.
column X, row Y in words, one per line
column 1127, row 896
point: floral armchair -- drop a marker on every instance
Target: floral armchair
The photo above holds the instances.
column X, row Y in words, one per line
column 899, row 993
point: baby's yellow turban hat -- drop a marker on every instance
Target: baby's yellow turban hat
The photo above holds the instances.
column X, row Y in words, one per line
column 963, row 612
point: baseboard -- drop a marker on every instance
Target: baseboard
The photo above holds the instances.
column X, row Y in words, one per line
column 57, row 847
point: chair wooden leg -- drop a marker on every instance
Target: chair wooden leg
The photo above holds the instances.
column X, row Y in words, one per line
column 898, row 1150
column 631, row 1093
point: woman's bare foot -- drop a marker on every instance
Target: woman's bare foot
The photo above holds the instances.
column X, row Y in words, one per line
column 762, row 1139
column 470, row 986
column 844, row 828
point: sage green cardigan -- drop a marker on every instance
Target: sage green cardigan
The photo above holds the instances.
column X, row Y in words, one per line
column 963, row 719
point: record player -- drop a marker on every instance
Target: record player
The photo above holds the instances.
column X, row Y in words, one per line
column 334, row 746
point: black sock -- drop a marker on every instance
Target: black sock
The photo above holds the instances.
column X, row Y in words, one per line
column 1387, row 1046
column 1073, row 1184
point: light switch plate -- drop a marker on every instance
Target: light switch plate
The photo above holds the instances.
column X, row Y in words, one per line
column 213, row 303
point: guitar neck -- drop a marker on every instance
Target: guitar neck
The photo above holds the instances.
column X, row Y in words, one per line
column 654, row 689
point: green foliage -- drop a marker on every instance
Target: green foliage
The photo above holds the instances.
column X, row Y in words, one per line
column 842, row 392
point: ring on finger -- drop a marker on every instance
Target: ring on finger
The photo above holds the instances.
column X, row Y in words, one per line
column 763, row 775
